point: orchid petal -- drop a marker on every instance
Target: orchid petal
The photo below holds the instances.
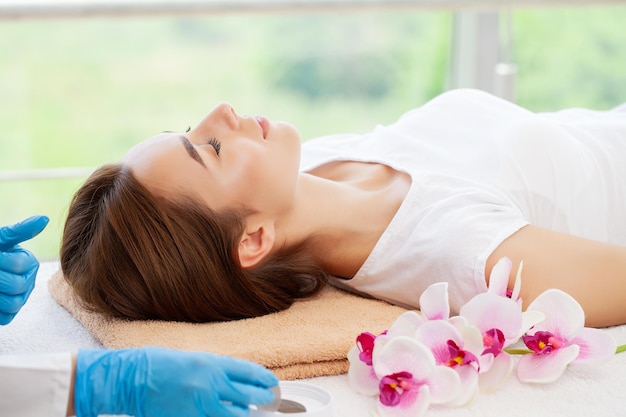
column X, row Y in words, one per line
column 468, row 376
column 517, row 287
column 472, row 338
column 596, row 346
column 361, row 377
column 499, row 277
column 488, row 311
column 435, row 335
column 497, row 374
column 434, row 302
column 545, row 368
column 404, row 354
column 444, row 384
column 414, row 404
column 380, row 341
column 530, row 319
column 564, row 316
column 486, row 361
column 406, row 324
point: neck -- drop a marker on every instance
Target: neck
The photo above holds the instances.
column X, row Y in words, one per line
column 343, row 220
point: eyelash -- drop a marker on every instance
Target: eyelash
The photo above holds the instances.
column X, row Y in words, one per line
column 215, row 144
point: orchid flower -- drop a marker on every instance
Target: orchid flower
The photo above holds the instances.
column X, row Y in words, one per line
column 498, row 284
column 455, row 350
column 434, row 302
column 410, row 380
column 499, row 280
column 405, row 325
column 434, row 305
column 361, row 375
column 499, row 320
column 425, row 358
column 561, row 339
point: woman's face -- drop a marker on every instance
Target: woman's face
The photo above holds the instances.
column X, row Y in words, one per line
column 228, row 160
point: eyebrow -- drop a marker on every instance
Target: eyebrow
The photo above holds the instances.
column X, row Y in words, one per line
column 191, row 150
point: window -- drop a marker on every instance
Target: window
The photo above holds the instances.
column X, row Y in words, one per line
column 79, row 92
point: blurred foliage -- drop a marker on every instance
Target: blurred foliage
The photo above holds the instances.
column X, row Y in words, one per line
column 571, row 57
column 80, row 92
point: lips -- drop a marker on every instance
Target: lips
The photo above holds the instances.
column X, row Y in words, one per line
column 265, row 125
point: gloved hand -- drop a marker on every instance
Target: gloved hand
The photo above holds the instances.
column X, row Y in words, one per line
column 18, row 267
column 158, row 382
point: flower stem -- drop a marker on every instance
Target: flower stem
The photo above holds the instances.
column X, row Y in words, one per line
column 522, row 351
column 620, row 349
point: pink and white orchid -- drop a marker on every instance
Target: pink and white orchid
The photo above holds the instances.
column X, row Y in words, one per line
column 432, row 358
column 561, row 339
column 450, row 349
column 499, row 280
column 499, row 285
column 405, row 325
column 498, row 315
column 499, row 320
column 410, row 380
column 435, row 303
column 361, row 375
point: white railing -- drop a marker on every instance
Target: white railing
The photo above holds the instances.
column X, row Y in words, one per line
column 44, row 174
column 14, row 9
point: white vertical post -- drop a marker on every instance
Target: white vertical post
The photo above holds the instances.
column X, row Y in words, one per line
column 480, row 56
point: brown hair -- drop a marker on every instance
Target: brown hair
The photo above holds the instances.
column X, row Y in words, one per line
column 129, row 253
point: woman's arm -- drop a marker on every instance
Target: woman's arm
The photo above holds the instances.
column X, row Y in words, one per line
column 592, row 272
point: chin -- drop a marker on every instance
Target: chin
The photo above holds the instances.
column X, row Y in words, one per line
column 287, row 129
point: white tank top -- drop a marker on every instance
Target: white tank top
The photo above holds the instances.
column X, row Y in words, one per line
column 481, row 169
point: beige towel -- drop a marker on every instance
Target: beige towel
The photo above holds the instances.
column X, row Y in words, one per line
column 309, row 339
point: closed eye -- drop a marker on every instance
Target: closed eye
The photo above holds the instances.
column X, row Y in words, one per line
column 215, row 144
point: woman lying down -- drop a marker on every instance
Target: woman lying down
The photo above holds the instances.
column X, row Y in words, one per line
column 236, row 218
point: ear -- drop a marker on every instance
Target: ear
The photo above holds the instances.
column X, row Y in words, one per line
column 256, row 244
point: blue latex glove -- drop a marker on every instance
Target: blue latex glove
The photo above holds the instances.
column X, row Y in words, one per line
column 18, row 267
column 157, row 382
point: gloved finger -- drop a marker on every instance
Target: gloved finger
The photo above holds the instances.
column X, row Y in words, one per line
column 11, row 304
column 18, row 260
column 6, row 318
column 248, row 372
column 22, row 231
column 244, row 394
column 17, row 283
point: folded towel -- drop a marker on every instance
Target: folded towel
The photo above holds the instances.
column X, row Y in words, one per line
column 311, row 338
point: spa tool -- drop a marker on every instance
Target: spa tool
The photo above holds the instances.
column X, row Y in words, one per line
column 291, row 407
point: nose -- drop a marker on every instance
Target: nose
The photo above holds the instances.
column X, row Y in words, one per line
column 225, row 113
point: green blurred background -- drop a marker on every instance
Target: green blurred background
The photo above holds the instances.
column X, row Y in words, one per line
column 80, row 92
